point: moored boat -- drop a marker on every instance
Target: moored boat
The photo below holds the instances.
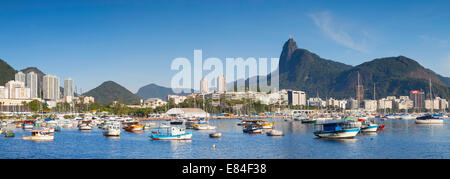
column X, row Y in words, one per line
column 204, row 127
column 111, row 129
column 170, row 133
column 253, row 129
column 429, row 119
column 336, row 130
column 368, row 126
column 275, row 133
column 134, row 126
column 215, row 135
column 39, row 134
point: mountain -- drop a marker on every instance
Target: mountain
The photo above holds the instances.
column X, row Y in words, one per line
column 110, row 91
column 302, row 69
column 6, row 72
column 392, row 76
column 155, row 91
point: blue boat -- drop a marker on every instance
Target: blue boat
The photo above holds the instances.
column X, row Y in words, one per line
column 170, row 133
column 336, row 130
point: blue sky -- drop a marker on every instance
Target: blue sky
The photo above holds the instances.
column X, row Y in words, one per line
column 134, row 42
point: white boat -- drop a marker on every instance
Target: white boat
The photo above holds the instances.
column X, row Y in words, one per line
column 275, row 133
column 170, row 133
column 368, row 126
column 111, row 129
column 429, row 119
column 204, row 127
column 408, row 117
column 215, row 135
column 39, row 135
column 84, row 127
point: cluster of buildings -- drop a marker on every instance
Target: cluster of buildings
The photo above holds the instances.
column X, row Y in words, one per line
column 415, row 101
column 26, row 87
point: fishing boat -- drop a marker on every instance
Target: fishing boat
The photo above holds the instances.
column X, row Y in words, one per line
column 170, row 133
column 39, row 134
column 265, row 124
column 134, row 126
column 28, row 125
column 253, row 129
column 84, row 125
column 275, row 133
column 368, row 126
column 204, row 127
column 9, row 134
column 309, row 121
column 111, row 129
column 215, row 135
column 336, row 130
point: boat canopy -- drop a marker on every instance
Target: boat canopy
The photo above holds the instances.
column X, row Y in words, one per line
column 48, row 119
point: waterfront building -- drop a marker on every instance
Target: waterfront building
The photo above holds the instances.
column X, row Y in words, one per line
column 204, row 86
column 175, row 99
column 12, row 86
column 296, row 97
column 32, row 84
column 385, row 103
column 439, row 104
column 68, row 87
column 20, row 76
column 4, row 93
column 153, row 103
column 316, row 102
column 85, row 100
column 418, row 98
column 370, row 105
column 352, row 104
column 221, row 84
column 51, row 87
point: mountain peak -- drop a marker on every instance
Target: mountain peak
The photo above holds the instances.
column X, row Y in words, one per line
column 110, row 91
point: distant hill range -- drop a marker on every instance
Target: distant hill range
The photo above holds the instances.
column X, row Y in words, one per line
column 300, row 69
column 110, row 91
column 156, row 91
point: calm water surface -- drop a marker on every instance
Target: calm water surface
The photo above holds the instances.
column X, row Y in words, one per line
column 400, row 139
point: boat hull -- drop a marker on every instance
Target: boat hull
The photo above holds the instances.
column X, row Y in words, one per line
column 186, row 136
column 372, row 128
column 430, row 121
column 342, row 134
column 111, row 132
column 49, row 137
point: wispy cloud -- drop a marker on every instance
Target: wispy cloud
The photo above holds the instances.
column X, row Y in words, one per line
column 437, row 41
column 336, row 31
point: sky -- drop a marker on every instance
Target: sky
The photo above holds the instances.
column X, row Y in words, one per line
column 134, row 42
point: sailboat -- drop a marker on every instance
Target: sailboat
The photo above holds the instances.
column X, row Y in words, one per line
column 430, row 118
column 367, row 125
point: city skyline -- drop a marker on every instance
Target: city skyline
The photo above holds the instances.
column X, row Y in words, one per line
column 139, row 40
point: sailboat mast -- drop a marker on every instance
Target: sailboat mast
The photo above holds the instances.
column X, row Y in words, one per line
column 431, row 98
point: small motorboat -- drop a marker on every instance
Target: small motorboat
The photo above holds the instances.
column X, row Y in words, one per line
column 275, row 133
column 134, row 127
column 204, row 127
column 43, row 134
column 9, row 134
column 111, row 129
column 170, row 133
column 215, row 135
